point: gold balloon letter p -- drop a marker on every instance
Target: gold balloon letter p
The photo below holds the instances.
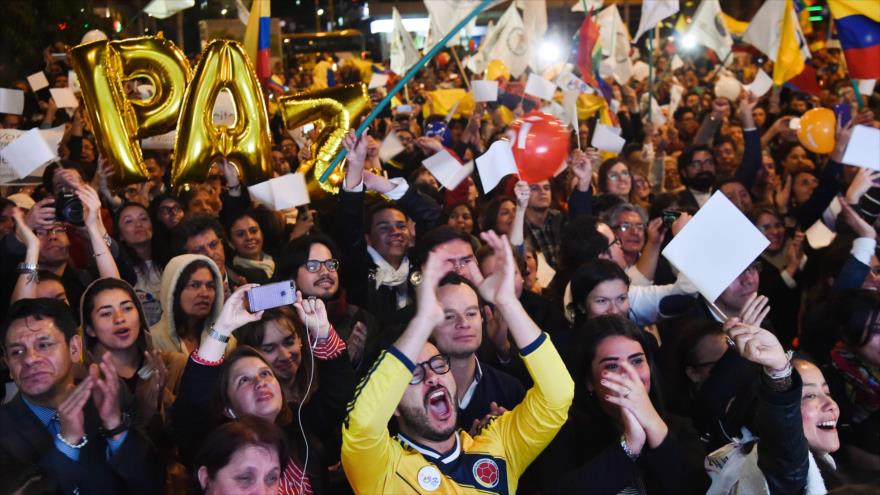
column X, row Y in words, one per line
column 200, row 142
column 102, row 68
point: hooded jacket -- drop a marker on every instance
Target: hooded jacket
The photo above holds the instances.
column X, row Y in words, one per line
column 164, row 333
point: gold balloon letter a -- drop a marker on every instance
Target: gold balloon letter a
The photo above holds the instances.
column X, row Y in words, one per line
column 118, row 122
column 336, row 109
column 199, row 143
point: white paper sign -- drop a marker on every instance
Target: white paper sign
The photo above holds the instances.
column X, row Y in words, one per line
column 11, row 101
column 640, row 71
column 378, row 81
column 289, row 191
column 262, row 193
column 64, row 97
column 73, row 81
column 160, row 142
column 540, row 87
column 819, row 235
column 715, row 246
column 38, row 81
column 676, row 63
column 607, row 138
column 761, row 84
column 569, row 82
column 7, row 173
column 390, row 147
column 496, row 163
column 223, row 113
column 866, row 87
column 484, row 90
column 863, row 149
column 28, row 153
column 446, row 169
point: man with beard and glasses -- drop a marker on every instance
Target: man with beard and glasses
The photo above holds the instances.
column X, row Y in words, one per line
column 430, row 454
column 696, row 166
column 313, row 264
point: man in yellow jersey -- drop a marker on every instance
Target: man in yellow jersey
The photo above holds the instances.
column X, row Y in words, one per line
column 411, row 381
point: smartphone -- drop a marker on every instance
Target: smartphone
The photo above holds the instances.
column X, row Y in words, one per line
column 271, row 296
column 403, row 109
column 794, row 124
column 843, row 112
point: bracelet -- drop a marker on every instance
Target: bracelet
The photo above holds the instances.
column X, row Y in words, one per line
column 107, row 239
column 204, row 362
column 783, row 373
column 626, row 450
column 214, row 334
column 124, row 424
column 82, row 443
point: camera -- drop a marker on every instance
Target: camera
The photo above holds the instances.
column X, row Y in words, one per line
column 669, row 217
column 69, row 209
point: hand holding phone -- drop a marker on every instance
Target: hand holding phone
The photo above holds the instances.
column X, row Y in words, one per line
column 271, row 296
column 313, row 314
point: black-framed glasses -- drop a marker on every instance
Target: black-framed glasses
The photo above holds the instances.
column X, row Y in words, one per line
column 611, row 245
column 439, row 364
column 702, row 163
column 313, row 266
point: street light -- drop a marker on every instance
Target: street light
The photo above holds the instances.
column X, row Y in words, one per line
column 320, row 12
column 223, row 11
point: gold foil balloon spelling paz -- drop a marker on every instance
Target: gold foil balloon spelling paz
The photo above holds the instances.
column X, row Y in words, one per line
column 102, row 68
column 337, row 109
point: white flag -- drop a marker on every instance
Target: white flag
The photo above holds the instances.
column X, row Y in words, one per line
column 590, row 4
column 765, row 29
column 478, row 62
column 403, row 52
column 508, row 42
column 444, row 15
column 615, row 41
column 708, row 29
column 654, row 11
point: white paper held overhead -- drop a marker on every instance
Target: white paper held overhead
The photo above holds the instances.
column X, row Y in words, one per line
column 496, row 163
column 11, row 101
column 378, row 81
column 716, row 246
column 540, row 87
column 289, row 191
column 819, row 235
column 262, row 192
column 863, row 149
column 27, row 153
column 446, row 169
column 607, row 138
column 64, row 97
column 760, row 84
column 38, row 81
column 390, row 147
column 484, row 90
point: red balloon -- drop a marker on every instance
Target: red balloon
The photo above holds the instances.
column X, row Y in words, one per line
column 540, row 144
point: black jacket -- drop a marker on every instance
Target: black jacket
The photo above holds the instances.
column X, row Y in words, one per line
column 27, row 450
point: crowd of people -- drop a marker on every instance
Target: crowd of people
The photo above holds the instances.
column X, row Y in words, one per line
column 530, row 339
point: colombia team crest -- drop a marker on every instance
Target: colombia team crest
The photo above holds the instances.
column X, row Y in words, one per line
column 486, row 473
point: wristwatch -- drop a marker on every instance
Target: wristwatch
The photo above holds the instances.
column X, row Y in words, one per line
column 214, row 334
column 124, row 424
column 626, row 450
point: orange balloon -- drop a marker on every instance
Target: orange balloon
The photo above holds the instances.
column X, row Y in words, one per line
column 817, row 130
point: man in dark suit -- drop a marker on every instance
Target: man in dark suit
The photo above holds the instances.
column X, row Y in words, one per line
column 57, row 435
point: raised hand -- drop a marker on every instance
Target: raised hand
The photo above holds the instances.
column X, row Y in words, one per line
column 756, row 344
column 864, row 180
column 497, row 331
column 105, row 392
column 156, row 384
column 582, row 165
column 354, row 160
column 23, row 232
column 91, row 206
column 498, row 288
column 429, row 144
column 41, row 215
column 755, row 310
column 313, row 314
column 856, row 222
column 494, row 411
column 234, row 314
column 793, row 254
column 522, row 191
column 70, row 412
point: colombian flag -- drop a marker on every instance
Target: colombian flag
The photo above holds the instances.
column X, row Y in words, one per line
column 858, row 28
column 256, row 38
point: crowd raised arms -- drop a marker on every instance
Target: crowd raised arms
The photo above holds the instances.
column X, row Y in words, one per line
column 431, row 332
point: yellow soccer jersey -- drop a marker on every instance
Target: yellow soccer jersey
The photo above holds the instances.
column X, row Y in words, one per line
column 492, row 462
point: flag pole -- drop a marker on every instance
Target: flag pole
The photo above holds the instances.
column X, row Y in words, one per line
column 650, row 70
column 460, row 68
column 365, row 124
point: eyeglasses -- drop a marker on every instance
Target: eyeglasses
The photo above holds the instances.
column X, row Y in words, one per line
column 702, row 163
column 50, row 232
column 611, row 245
column 313, row 266
column 768, row 226
column 439, row 364
column 625, row 226
column 616, row 176
column 458, row 264
column 169, row 210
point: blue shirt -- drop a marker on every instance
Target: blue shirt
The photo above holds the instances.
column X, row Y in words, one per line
column 49, row 418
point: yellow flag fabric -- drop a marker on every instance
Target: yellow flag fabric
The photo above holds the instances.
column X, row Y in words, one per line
column 845, row 8
column 443, row 100
column 319, row 74
column 733, row 25
column 789, row 60
column 260, row 8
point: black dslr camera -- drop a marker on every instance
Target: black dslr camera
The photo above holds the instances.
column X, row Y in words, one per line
column 69, row 208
